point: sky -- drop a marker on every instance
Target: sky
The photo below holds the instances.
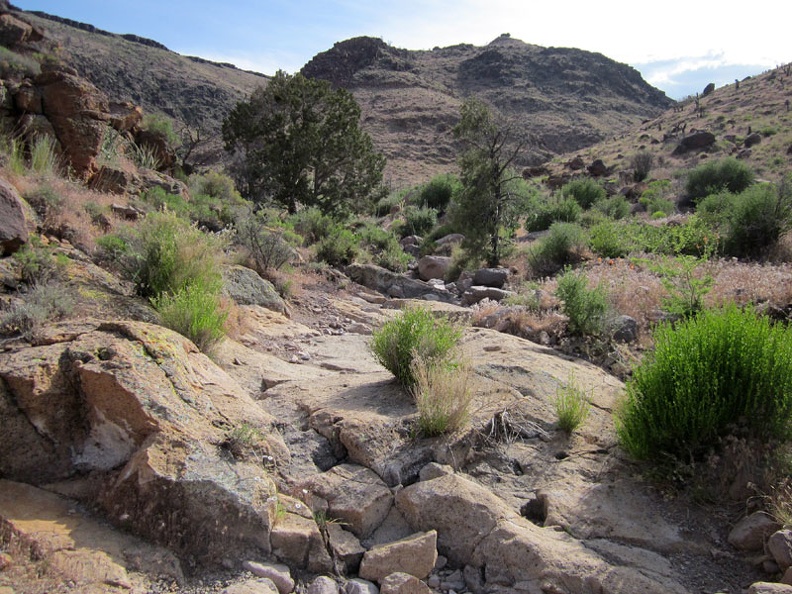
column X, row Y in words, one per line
column 679, row 46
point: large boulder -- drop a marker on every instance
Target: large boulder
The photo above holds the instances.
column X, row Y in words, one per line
column 415, row 555
column 430, row 267
column 149, row 425
column 491, row 277
column 78, row 112
column 13, row 226
column 394, row 284
column 246, row 287
column 695, row 142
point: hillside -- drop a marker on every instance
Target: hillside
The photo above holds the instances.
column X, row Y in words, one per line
column 561, row 99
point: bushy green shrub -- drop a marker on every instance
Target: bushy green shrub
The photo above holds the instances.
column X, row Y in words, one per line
column 556, row 210
column 195, row 311
column 438, row 192
column 695, row 236
column 162, row 126
column 641, row 163
column 723, row 371
column 715, row 176
column 312, row 225
column 756, row 219
column 608, row 240
column 417, row 221
column 615, row 207
column 339, row 247
column 384, row 248
column 585, row 308
column 686, row 284
column 214, row 184
column 38, row 264
column 270, row 247
column 415, row 333
column 585, row 191
column 44, row 303
column 565, row 244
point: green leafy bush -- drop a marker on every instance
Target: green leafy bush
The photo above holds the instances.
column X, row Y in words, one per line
column 723, row 371
column 585, row 308
column 270, row 247
column 715, row 176
column 438, row 192
column 756, row 219
column 339, row 247
column 556, row 210
column 565, row 244
column 641, row 163
column 585, row 191
column 195, row 311
column 608, row 240
column 44, row 303
column 685, row 282
column 417, row 221
column 415, row 333
column 384, row 248
column 312, row 225
column 38, row 264
column 615, row 207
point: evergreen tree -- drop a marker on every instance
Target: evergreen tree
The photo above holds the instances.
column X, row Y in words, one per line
column 298, row 142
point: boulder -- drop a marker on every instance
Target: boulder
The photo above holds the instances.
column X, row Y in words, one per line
column 393, row 284
column 750, row 533
column 279, row 574
column 431, row 267
column 475, row 294
column 13, row 225
column 246, row 287
column 752, row 140
column 14, row 31
column 779, row 545
column 150, row 179
column 345, row 547
column 142, row 415
column 158, row 144
column 624, row 329
column 491, row 277
column 403, row 583
column 414, row 555
column 355, row 495
column 78, row 112
column 696, row 141
column 359, row 586
column 125, row 117
column 769, row 588
column 597, row 168
column 708, row 90
column 576, row 164
column 434, row 470
column 323, row 585
column 113, row 180
column 297, row 541
column 257, row 586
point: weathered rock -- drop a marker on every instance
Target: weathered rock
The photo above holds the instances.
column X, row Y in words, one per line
column 113, row 180
column 708, row 90
column 475, row 294
column 158, row 144
column 430, row 267
column 695, row 141
column 13, row 228
column 491, row 277
column 403, row 583
column 624, row 329
column 769, row 588
column 359, row 586
column 79, row 113
column 259, row 586
column 323, row 585
column 780, row 547
column 297, row 541
column 415, row 555
column 750, row 533
column 787, row 577
column 345, row 547
column 14, row 31
column 279, row 574
column 434, row 470
column 597, row 168
column 752, row 140
column 355, row 495
column 576, row 163
column 143, row 407
column 125, row 117
column 27, row 99
column 246, row 287
column 150, row 179
column 393, row 284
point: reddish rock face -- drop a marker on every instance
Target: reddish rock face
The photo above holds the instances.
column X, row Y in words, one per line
column 13, row 230
column 79, row 114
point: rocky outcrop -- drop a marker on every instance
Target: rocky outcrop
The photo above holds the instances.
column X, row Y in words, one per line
column 246, row 287
column 430, row 267
column 695, row 142
column 13, row 222
column 145, row 418
column 394, row 284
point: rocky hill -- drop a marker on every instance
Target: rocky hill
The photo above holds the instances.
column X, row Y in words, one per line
column 561, row 99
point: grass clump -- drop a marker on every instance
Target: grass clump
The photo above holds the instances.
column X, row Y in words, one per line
column 442, row 396
column 415, row 334
column 572, row 406
column 196, row 312
column 721, row 372
column 585, row 308
column 585, row 191
column 564, row 245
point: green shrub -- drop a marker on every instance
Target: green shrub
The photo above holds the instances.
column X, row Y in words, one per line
column 756, row 220
column 45, row 303
column 162, row 126
column 715, row 176
column 565, row 244
column 572, row 406
column 312, row 225
column 417, row 221
column 695, row 236
column 608, row 240
column 721, row 372
column 37, row 263
column 556, row 210
column 438, row 192
column 112, row 248
column 194, row 311
column 585, row 191
column 384, row 248
column 43, row 159
column 641, row 163
column 144, row 156
column 339, row 248
column 415, row 333
column 615, row 207
column 685, row 284
column 585, row 308
column 269, row 246
column 214, row 184
column 442, row 395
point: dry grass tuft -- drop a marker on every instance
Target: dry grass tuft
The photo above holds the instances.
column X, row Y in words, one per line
column 443, row 396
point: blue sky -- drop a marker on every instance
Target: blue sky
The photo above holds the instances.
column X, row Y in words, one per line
column 678, row 45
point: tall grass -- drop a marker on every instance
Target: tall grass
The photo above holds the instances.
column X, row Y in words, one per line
column 722, row 371
column 442, row 395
